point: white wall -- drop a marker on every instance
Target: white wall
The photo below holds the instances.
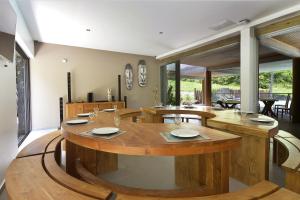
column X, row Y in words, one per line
column 8, row 122
column 91, row 70
column 8, row 103
column 23, row 35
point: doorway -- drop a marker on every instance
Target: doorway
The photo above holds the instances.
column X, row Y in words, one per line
column 23, row 94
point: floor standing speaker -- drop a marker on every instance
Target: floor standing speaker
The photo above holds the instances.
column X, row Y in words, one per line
column 69, row 88
column 119, row 87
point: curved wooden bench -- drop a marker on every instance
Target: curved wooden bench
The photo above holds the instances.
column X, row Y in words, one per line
column 37, row 147
column 288, row 156
column 39, row 176
column 50, row 180
column 257, row 191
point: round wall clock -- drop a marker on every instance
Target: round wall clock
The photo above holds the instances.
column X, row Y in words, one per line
column 142, row 73
column 128, row 76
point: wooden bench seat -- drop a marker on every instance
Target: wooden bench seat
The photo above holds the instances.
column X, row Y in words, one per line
column 39, row 176
column 282, row 194
column 288, row 156
column 37, row 147
column 26, row 179
column 254, row 192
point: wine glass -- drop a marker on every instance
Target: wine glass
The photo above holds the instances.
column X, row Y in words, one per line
column 177, row 120
column 117, row 119
column 92, row 116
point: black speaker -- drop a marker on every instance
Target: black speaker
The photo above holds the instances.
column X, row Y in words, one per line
column 90, row 97
column 119, row 87
column 125, row 100
column 69, row 88
column 61, row 110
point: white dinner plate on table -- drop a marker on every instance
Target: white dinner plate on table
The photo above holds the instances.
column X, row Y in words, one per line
column 263, row 120
column 158, row 106
column 109, row 110
column 105, row 130
column 83, row 114
column 189, row 106
column 184, row 133
column 77, row 121
column 217, row 108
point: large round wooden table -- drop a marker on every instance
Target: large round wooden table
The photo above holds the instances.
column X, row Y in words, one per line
column 201, row 167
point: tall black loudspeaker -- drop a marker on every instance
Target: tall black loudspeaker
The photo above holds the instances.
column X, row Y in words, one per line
column 119, row 87
column 61, row 110
column 125, row 100
column 69, row 88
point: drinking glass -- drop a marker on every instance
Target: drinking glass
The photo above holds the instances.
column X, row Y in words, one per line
column 96, row 110
column 92, row 116
column 115, row 107
column 117, row 119
column 177, row 120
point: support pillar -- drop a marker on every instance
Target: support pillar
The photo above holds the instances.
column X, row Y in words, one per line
column 296, row 91
column 207, row 89
column 249, row 71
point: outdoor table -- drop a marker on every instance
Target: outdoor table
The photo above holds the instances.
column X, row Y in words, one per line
column 229, row 103
column 268, row 107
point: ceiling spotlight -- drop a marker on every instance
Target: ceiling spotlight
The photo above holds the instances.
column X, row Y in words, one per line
column 244, row 21
column 65, row 60
column 160, row 33
column 88, row 30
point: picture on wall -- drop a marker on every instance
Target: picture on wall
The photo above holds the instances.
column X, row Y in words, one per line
column 142, row 73
column 128, row 76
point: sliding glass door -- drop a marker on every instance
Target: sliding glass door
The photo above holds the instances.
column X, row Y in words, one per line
column 23, row 94
column 170, row 83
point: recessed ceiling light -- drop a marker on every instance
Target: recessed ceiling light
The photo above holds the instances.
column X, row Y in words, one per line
column 160, row 33
column 88, row 30
column 64, row 60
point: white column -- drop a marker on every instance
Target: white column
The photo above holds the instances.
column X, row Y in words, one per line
column 249, row 71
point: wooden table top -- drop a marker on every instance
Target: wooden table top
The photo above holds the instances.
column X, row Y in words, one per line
column 145, row 138
column 227, row 120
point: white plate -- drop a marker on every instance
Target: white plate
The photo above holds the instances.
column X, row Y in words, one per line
column 83, row 114
column 263, row 120
column 184, row 133
column 158, row 106
column 189, row 106
column 105, row 131
column 109, row 110
column 77, row 121
column 217, row 108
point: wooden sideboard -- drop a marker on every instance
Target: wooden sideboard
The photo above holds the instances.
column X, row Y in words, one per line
column 72, row 109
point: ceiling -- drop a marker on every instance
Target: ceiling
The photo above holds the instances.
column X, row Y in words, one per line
column 6, row 12
column 229, row 57
column 133, row 26
column 291, row 38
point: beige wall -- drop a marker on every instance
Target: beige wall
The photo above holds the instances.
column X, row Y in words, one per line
column 91, row 70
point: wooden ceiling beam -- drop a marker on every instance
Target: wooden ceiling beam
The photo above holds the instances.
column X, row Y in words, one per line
column 262, row 59
column 222, row 44
column 278, row 28
column 281, row 47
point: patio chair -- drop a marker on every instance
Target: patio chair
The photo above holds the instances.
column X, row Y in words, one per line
column 286, row 105
column 286, row 110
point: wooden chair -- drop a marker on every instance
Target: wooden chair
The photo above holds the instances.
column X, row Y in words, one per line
column 287, row 110
column 281, row 107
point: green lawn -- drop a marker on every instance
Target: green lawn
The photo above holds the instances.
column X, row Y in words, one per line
column 189, row 87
